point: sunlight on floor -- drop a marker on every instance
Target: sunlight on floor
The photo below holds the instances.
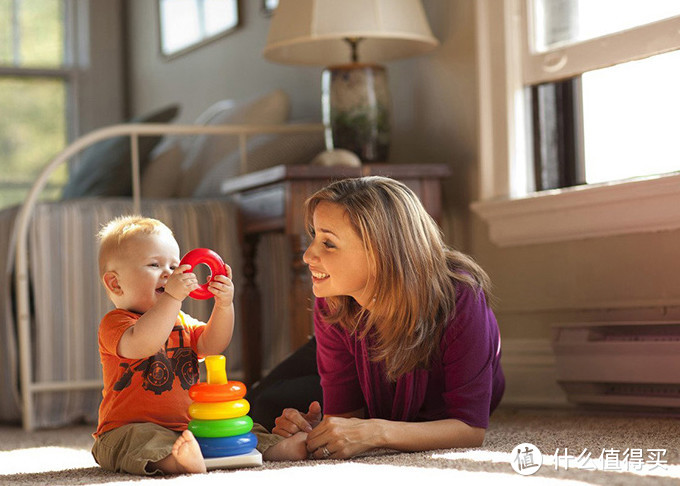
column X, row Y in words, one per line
column 43, row 459
column 339, row 473
column 55, row 459
column 661, row 471
column 478, row 456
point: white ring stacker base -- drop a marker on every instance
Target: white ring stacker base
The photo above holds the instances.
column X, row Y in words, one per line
column 251, row 459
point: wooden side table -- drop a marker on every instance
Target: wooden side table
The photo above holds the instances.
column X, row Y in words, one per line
column 273, row 200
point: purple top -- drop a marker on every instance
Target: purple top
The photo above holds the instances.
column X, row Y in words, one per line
column 465, row 382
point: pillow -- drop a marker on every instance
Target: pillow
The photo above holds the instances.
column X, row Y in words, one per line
column 159, row 180
column 207, row 150
column 263, row 151
column 104, row 168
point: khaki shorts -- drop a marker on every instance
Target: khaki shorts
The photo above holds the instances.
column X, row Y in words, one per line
column 130, row 448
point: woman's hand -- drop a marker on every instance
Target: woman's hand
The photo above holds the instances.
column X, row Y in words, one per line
column 222, row 288
column 344, row 437
column 292, row 421
column 341, row 438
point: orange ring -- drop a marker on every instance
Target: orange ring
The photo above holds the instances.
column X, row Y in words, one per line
column 220, row 410
column 226, row 392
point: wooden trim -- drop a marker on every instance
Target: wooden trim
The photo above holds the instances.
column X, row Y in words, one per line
column 608, row 50
column 592, row 211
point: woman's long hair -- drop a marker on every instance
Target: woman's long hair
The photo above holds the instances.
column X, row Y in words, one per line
column 416, row 274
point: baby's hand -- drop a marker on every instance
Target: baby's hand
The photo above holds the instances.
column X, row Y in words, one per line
column 222, row 288
column 180, row 284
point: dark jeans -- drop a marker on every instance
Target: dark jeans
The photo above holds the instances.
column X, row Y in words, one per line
column 294, row 383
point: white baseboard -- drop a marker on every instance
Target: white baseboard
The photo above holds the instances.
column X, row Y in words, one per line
column 530, row 374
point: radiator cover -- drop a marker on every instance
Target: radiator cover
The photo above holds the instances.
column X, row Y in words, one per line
column 621, row 364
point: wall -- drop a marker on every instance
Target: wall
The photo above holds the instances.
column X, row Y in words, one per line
column 229, row 68
column 435, row 120
column 622, row 278
column 434, row 96
column 99, row 48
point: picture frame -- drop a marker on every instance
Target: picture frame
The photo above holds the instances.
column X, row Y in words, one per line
column 186, row 25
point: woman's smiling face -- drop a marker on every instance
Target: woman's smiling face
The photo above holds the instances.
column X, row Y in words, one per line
column 336, row 257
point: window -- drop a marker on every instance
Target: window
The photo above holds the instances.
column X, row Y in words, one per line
column 565, row 100
column 630, row 116
column 623, row 113
column 35, row 93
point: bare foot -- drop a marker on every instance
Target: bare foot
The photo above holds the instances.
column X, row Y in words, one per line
column 291, row 449
column 187, row 453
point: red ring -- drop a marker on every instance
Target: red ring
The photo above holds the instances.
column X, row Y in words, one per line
column 214, row 262
column 207, row 392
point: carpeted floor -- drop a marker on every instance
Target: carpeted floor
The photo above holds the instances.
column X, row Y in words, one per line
column 605, row 449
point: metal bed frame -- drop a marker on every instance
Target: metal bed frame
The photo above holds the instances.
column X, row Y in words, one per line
column 29, row 387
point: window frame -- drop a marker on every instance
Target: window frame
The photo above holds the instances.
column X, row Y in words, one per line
column 515, row 215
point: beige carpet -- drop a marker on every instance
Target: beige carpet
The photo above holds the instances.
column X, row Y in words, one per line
column 61, row 457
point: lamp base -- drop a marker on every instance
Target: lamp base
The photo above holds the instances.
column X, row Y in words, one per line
column 356, row 110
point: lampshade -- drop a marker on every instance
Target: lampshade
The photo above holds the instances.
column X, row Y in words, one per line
column 312, row 31
column 350, row 37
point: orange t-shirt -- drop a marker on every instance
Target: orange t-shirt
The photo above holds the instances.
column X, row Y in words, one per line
column 154, row 389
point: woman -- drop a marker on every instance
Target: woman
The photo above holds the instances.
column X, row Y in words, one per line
column 408, row 349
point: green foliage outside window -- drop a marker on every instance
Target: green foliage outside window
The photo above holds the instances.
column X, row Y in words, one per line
column 33, row 106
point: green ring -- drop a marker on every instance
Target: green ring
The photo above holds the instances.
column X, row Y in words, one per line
column 221, row 428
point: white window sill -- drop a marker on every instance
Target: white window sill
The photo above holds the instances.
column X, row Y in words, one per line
column 592, row 211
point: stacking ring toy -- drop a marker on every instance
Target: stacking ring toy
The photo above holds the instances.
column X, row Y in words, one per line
column 213, row 261
column 219, row 410
column 227, row 446
column 221, row 428
column 207, row 392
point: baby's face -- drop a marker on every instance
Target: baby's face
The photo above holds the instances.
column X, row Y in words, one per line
column 143, row 268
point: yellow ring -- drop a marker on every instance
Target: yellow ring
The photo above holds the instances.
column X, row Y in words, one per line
column 219, row 410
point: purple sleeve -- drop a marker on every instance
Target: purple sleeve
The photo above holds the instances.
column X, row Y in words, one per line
column 337, row 367
column 469, row 354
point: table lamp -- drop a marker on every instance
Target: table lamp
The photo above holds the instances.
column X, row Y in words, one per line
column 350, row 37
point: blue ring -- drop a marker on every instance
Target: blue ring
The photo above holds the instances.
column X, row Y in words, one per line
column 227, row 446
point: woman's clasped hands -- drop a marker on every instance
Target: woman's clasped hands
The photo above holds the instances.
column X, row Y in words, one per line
column 329, row 437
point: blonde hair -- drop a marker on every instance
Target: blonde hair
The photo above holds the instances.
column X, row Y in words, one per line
column 116, row 232
column 416, row 273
